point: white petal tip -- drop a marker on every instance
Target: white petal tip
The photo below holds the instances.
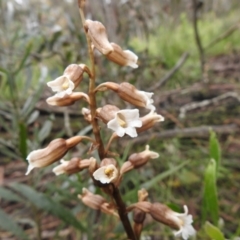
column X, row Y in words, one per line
column 30, row 168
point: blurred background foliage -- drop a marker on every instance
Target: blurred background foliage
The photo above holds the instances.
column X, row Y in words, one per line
column 196, row 167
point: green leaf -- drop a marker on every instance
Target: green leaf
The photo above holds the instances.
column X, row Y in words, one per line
column 9, row 195
column 23, row 140
column 45, row 130
column 24, row 59
column 45, row 203
column 210, row 199
column 155, row 180
column 213, row 232
column 163, row 175
column 8, row 224
column 31, row 101
column 214, row 148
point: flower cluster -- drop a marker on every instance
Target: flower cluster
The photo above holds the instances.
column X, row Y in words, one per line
column 105, row 171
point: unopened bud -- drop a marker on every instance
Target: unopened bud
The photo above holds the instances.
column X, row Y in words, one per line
column 96, row 202
column 107, row 113
column 108, row 161
column 142, row 195
column 149, row 120
column 122, row 57
column 67, row 100
column 144, row 206
column 93, row 201
column 87, row 114
column 73, row 166
column 68, row 167
column 137, row 160
column 98, row 35
column 93, row 166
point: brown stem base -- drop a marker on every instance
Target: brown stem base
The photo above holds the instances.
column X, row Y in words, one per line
column 123, row 214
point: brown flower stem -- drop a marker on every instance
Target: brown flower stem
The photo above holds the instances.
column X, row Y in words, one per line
column 123, row 214
column 91, row 93
column 114, row 135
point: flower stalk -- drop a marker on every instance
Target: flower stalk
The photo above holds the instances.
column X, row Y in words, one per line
column 91, row 92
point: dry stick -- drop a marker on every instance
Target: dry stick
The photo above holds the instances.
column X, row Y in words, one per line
column 224, row 35
column 91, row 93
column 194, row 105
column 197, row 36
column 194, row 132
column 116, row 194
column 177, row 66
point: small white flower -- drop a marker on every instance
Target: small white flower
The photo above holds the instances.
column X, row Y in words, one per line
column 63, row 85
column 147, row 96
column 106, row 174
column 185, row 222
column 125, row 122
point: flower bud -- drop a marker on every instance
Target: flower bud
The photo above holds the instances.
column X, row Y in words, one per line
column 143, row 205
column 137, row 160
column 108, row 161
column 93, row 166
column 107, row 113
column 139, row 215
column 98, row 35
column 142, row 195
column 87, row 114
column 93, row 201
column 52, row 153
column 65, row 84
column 149, row 120
column 122, row 57
column 96, row 202
column 67, row 100
column 73, row 166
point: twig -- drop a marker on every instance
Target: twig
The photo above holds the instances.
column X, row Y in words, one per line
column 194, row 132
column 177, row 66
column 197, row 36
column 224, row 35
column 195, row 105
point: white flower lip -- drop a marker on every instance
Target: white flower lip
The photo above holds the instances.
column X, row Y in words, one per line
column 186, row 229
column 147, row 96
column 63, row 85
column 106, row 174
column 125, row 122
column 32, row 164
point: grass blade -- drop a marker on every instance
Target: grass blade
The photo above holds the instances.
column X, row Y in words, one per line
column 210, row 199
column 43, row 202
column 213, row 232
column 8, row 224
column 214, row 149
